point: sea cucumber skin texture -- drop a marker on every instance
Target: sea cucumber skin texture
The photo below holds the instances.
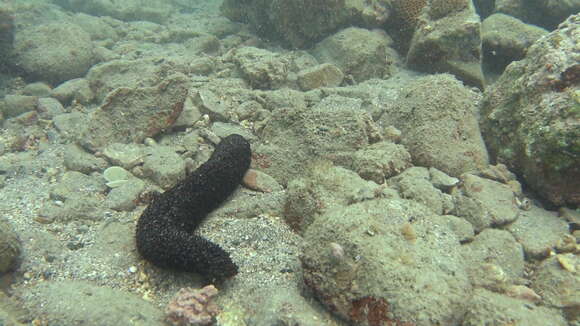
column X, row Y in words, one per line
column 165, row 229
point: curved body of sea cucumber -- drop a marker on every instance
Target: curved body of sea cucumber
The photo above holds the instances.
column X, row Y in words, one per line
column 165, row 229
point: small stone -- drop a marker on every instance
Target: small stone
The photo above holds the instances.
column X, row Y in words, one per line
column 324, row 75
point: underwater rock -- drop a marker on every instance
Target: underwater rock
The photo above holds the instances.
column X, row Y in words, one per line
column 54, row 52
column 389, row 272
column 6, row 35
column 10, row 247
column 358, row 53
column 546, row 13
column 448, row 41
column 486, row 306
column 302, row 23
column 437, row 116
column 133, row 114
column 530, row 118
column 127, row 10
column 506, row 39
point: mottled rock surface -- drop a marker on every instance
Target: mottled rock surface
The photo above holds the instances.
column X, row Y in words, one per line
column 359, row 53
column 448, row 40
column 10, row 247
column 133, row 114
column 488, row 307
column 437, row 116
column 506, row 39
column 530, row 118
column 385, row 271
column 54, row 52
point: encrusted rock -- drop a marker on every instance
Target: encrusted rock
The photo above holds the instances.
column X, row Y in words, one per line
column 494, row 249
column 531, row 116
column 539, row 231
column 358, row 52
column 506, row 39
column 485, row 306
column 451, row 43
column 54, row 52
column 437, row 116
column 9, row 247
column 324, row 75
column 261, row 68
column 384, row 276
column 484, row 202
column 133, row 114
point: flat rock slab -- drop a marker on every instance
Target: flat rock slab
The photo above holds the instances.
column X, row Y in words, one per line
column 129, row 115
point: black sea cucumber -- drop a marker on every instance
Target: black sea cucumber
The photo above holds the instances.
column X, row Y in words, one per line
column 165, row 229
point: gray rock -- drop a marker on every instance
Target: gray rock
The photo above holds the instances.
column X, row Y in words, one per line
column 442, row 181
column 164, row 166
column 299, row 24
column 487, row 307
column 77, row 207
column 37, row 89
column 48, row 108
column 133, row 114
column 547, row 13
column 89, row 304
column 530, row 116
column 414, row 183
column 386, row 263
column 380, row 161
column 100, row 28
column 323, row 187
column 129, row 10
column 324, row 75
column 10, row 247
column 68, row 123
column 222, row 130
column 77, row 89
column 494, row 249
column 15, row 105
column 332, row 129
column 462, row 229
column 448, row 42
column 262, row 69
column 506, row 39
column 357, row 52
column 557, row 279
column 485, row 203
column 74, row 183
column 208, row 103
column 437, row 116
column 189, row 116
column 125, row 155
column 108, row 76
column 76, row 159
column 538, row 231
column 54, row 52
column 125, row 197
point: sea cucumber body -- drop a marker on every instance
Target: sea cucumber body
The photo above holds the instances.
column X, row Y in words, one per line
column 165, row 229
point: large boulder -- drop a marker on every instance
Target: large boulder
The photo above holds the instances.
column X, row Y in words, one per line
column 127, row 10
column 447, row 39
column 301, row 23
column 373, row 263
column 545, row 13
column 54, row 52
column 531, row 116
column 358, row 52
column 437, row 116
column 506, row 39
column 6, row 34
